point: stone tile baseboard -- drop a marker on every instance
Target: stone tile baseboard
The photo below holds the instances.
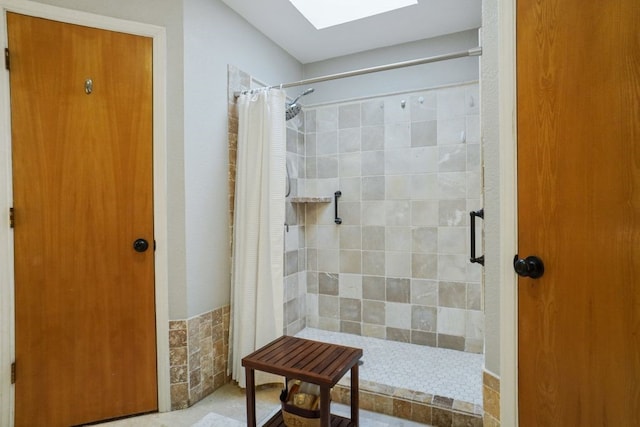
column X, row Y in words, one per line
column 198, row 356
column 420, row 407
column 491, row 399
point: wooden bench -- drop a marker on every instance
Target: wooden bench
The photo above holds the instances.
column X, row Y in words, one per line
column 311, row 361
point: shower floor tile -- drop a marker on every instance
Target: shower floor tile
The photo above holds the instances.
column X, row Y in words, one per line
column 436, row 371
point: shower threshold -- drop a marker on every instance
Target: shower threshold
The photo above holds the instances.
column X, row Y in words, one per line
column 435, row 386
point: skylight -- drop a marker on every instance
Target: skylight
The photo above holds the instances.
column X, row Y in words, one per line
column 327, row 13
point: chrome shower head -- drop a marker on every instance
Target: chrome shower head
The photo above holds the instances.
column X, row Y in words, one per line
column 294, row 108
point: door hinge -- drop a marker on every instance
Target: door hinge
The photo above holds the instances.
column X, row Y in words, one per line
column 7, row 62
column 12, row 221
column 13, row 373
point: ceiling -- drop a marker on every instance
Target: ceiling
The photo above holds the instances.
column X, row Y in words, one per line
column 281, row 22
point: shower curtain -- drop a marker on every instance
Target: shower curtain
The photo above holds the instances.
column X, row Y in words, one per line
column 258, row 232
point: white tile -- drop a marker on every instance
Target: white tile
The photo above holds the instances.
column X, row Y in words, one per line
column 451, row 102
column 397, row 135
column 398, row 315
column 452, row 185
column 350, row 286
column 452, row 321
column 349, row 140
column 398, row 239
column 373, row 213
column 423, row 160
column 327, row 119
column 424, row 186
column 398, row 264
column 452, row 131
column 329, row 260
column 397, row 109
column 328, row 237
column 472, row 99
column 350, row 164
column 475, row 325
column 452, row 240
column 473, row 130
column 424, row 213
column 423, row 106
column 397, row 161
column 452, row 267
column 326, row 143
column 398, row 213
column 398, row 187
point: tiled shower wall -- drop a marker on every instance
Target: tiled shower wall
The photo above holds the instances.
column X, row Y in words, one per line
column 409, row 170
column 295, row 280
column 397, row 267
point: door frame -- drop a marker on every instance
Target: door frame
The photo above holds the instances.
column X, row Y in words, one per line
column 508, row 175
column 7, row 295
column 499, row 128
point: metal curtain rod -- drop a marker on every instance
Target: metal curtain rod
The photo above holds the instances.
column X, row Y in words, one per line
column 476, row 51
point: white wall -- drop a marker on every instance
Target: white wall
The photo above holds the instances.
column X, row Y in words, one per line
column 203, row 36
column 403, row 79
column 215, row 36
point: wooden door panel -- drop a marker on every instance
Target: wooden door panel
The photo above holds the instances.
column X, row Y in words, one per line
column 82, row 165
column 578, row 68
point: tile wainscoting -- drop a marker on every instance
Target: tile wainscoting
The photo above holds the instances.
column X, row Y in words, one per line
column 491, row 399
column 198, row 352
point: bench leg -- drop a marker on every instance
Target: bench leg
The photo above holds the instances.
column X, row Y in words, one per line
column 325, row 407
column 251, row 397
column 355, row 396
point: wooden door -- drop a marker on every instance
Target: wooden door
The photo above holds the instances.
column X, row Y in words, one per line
column 578, row 72
column 82, row 185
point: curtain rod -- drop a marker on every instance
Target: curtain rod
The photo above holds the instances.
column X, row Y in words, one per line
column 476, row 51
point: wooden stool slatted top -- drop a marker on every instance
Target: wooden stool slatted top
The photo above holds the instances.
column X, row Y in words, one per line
column 310, row 361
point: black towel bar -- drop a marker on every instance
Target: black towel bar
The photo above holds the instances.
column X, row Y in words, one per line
column 337, row 194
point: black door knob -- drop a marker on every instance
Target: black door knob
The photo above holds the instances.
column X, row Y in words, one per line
column 140, row 245
column 531, row 266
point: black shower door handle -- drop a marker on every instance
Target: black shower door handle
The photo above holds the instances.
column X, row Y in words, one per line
column 337, row 219
column 474, row 214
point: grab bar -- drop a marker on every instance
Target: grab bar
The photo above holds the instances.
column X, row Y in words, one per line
column 474, row 214
column 337, row 194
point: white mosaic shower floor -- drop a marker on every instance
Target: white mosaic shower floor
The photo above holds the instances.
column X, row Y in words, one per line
column 436, row 371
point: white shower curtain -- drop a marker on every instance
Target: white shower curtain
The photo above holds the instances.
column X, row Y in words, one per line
column 258, row 236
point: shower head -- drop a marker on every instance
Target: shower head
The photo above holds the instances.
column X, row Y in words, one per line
column 294, row 108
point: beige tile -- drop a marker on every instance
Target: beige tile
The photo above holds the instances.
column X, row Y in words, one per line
column 383, row 404
column 177, row 324
column 179, row 396
column 421, row 413
column 491, row 402
column 461, row 406
column 491, row 381
column 465, row 420
column 178, row 356
column 177, row 338
column 490, row 421
column 441, row 417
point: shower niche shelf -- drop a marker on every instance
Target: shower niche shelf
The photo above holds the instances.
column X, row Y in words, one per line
column 311, row 199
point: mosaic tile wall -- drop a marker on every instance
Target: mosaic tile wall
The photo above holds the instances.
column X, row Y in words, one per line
column 409, row 170
column 198, row 359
